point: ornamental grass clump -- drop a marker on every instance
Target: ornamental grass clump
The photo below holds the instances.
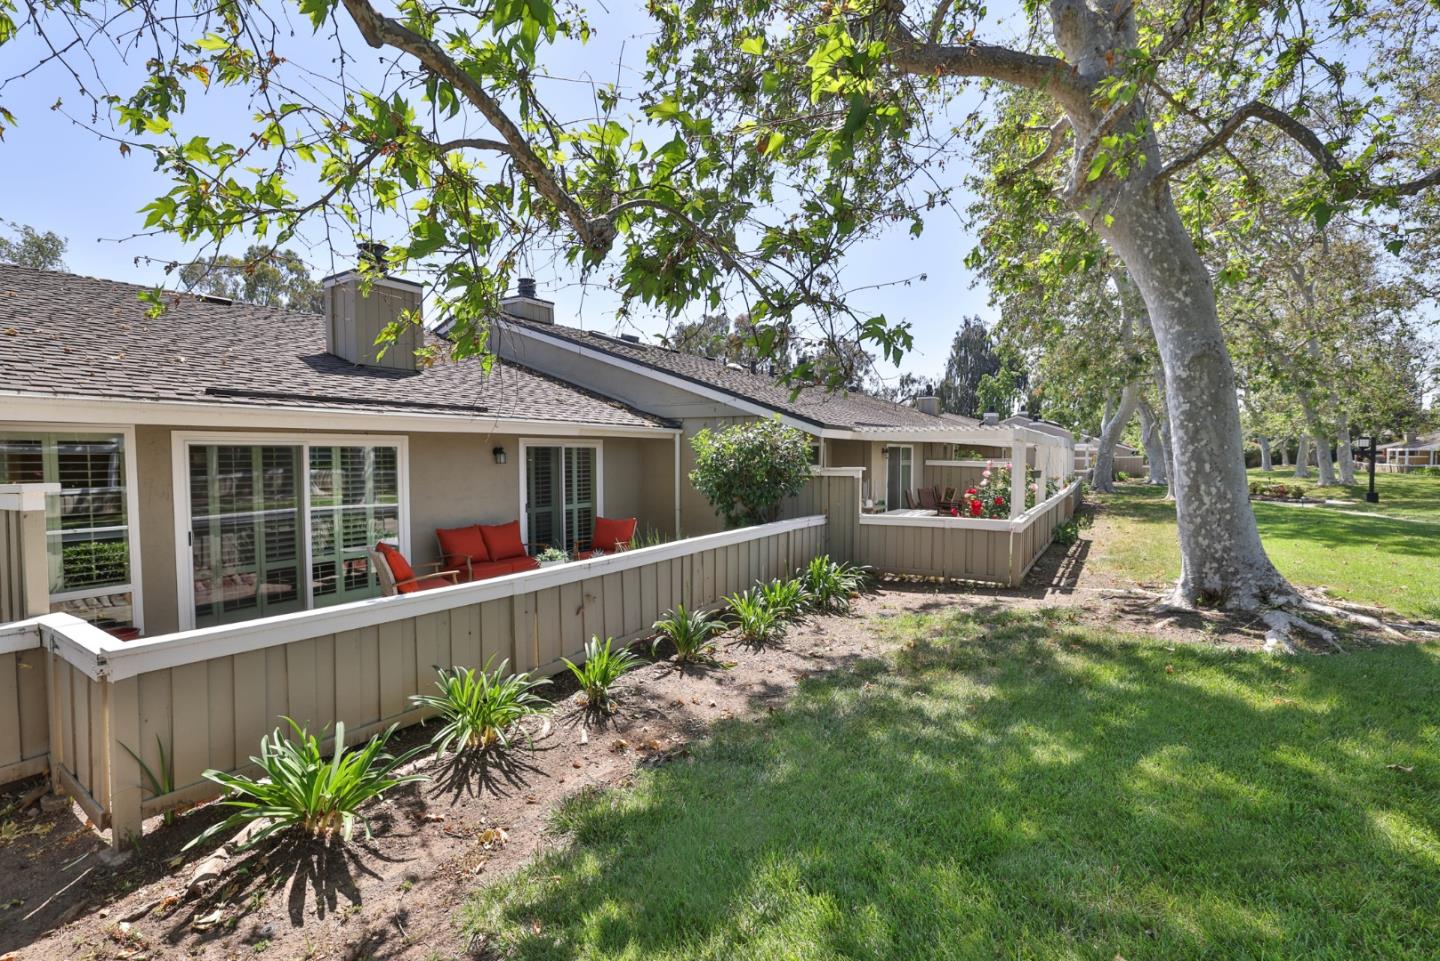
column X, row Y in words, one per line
column 830, row 585
column 603, row 666
column 690, row 631
column 758, row 623
column 787, row 598
column 483, row 709
column 303, row 791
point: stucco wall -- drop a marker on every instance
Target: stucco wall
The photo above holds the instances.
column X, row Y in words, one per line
column 453, row 481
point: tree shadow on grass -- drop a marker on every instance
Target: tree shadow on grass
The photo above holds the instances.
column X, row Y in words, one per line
column 1016, row 787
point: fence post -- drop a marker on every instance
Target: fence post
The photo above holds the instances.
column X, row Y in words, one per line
column 120, row 701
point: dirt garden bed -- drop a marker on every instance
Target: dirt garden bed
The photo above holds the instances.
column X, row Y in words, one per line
column 394, row 896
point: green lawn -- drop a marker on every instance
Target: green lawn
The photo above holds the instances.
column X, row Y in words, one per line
column 1018, row 787
column 1372, row 560
column 1411, row 495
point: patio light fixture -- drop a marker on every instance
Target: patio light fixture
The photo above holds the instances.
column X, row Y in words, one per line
column 499, row 453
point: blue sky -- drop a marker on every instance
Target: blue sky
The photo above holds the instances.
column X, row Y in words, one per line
column 56, row 175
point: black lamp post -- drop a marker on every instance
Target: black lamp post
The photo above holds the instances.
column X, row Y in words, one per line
column 1368, row 450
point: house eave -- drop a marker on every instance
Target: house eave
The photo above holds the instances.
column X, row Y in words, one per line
column 17, row 406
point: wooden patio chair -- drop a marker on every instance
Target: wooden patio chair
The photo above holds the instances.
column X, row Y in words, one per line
column 610, row 537
column 909, row 500
column 397, row 576
column 928, row 500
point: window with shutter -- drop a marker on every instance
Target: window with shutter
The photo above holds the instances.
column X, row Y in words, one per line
column 88, row 536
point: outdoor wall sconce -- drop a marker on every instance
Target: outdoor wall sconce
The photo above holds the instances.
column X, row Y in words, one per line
column 499, row 453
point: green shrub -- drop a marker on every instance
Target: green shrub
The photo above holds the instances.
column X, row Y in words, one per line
column 689, row 631
column 1256, row 488
column 303, row 791
column 1067, row 533
column 603, row 666
column 831, row 584
column 1296, row 492
column 745, row 471
column 1121, row 477
column 787, row 598
column 757, row 621
column 481, row 709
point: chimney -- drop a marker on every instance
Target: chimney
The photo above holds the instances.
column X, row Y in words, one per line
column 990, row 419
column 525, row 305
column 354, row 319
column 928, row 405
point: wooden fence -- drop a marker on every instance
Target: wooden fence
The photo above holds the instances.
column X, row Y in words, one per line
column 209, row 695
column 998, row 551
column 24, row 594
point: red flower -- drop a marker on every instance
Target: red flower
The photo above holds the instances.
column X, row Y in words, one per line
column 954, row 512
column 999, row 502
column 971, row 492
column 975, row 508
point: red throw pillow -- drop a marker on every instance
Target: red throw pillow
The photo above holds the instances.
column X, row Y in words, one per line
column 400, row 568
column 612, row 535
column 503, row 540
column 460, row 544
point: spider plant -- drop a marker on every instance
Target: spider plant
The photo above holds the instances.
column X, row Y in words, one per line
column 786, row 598
column 689, row 631
column 603, row 666
column 304, row 791
column 758, row 622
column 831, row 584
column 481, row 709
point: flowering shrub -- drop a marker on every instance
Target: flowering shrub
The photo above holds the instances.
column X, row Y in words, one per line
column 991, row 497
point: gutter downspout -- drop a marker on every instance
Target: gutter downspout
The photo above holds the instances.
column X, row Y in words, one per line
column 678, row 532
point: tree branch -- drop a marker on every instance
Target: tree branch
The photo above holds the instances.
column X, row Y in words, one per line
column 1308, row 140
column 1032, row 71
column 475, row 143
column 595, row 233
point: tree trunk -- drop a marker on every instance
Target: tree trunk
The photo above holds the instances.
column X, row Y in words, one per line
column 1156, row 458
column 1285, row 453
column 1265, row 464
column 1342, row 449
column 1222, row 559
column 1103, row 479
column 1302, row 456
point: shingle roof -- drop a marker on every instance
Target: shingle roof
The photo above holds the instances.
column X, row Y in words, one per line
column 66, row 335
column 842, row 410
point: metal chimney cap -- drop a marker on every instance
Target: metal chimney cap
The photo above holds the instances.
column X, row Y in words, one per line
column 991, row 419
column 526, row 287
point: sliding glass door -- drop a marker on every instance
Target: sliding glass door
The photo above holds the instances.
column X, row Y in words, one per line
column 279, row 527
column 899, row 475
column 245, row 548
column 562, row 491
column 354, row 503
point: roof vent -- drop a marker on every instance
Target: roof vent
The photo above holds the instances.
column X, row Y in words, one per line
column 928, row 405
column 526, row 305
column 630, row 338
column 215, row 299
column 991, row 419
